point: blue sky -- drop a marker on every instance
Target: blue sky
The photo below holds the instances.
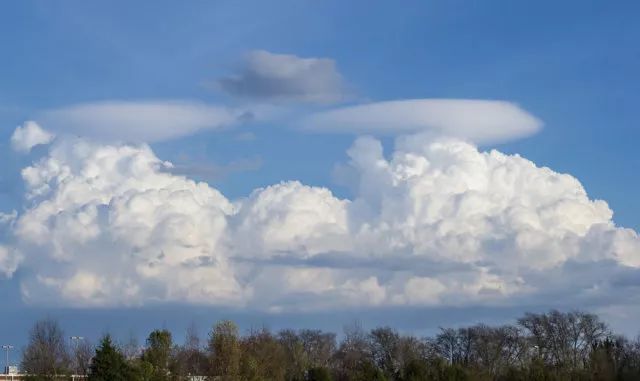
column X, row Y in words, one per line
column 572, row 65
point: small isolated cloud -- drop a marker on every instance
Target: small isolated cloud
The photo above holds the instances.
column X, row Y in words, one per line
column 286, row 78
column 9, row 261
column 29, row 135
column 479, row 121
column 139, row 121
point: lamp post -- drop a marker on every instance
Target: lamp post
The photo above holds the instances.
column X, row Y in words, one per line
column 7, row 348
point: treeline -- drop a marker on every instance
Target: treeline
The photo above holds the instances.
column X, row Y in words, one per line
column 552, row 346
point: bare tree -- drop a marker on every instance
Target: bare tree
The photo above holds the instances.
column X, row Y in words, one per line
column 131, row 349
column 353, row 353
column 319, row 346
column 46, row 354
column 189, row 359
column 446, row 344
column 384, row 347
column 82, row 354
column 297, row 360
column 496, row 348
column 564, row 340
column 409, row 352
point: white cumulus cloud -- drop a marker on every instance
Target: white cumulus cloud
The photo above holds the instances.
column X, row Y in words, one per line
column 291, row 217
column 111, row 227
column 479, row 121
column 437, row 222
column 29, row 135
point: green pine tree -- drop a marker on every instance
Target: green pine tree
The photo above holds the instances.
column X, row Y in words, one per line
column 109, row 363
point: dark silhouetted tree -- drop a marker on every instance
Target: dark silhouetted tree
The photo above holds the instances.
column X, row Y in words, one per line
column 109, row 364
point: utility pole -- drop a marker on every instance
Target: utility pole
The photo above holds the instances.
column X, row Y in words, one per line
column 7, row 348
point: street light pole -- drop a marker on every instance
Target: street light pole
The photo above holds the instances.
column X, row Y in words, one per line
column 7, row 348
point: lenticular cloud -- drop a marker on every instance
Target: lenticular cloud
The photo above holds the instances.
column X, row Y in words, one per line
column 436, row 223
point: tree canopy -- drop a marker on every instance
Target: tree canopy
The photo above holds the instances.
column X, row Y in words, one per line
column 553, row 346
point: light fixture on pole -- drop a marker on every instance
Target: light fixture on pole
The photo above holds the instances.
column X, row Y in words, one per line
column 7, row 348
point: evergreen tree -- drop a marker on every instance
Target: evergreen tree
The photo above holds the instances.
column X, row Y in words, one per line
column 109, row 363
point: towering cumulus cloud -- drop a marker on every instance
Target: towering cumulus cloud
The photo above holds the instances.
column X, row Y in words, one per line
column 107, row 226
column 435, row 223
